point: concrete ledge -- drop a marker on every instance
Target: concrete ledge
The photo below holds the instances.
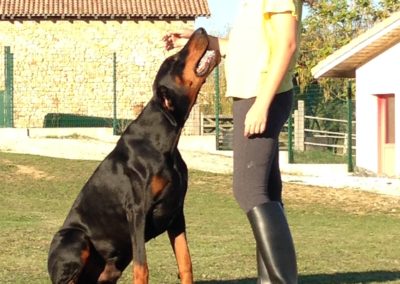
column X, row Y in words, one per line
column 315, row 169
column 99, row 133
column 13, row 133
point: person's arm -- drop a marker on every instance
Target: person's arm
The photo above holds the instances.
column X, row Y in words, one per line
column 179, row 39
column 284, row 29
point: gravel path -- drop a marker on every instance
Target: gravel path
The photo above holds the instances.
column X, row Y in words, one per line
column 199, row 157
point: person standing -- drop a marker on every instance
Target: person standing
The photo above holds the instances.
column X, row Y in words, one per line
column 260, row 52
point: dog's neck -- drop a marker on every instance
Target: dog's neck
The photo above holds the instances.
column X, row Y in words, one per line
column 157, row 122
column 168, row 115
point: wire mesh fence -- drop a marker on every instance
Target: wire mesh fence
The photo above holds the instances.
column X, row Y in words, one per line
column 80, row 88
column 316, row 124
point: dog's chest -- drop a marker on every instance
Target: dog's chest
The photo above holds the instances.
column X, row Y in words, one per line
column 167, row 207
column 170, row 199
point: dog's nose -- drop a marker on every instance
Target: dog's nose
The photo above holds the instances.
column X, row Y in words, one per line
column 201, row 31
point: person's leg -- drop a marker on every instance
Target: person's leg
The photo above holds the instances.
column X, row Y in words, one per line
column 262, row 272
column 257, row 188
column 274, row 194
column 275, row 181
column 252, row 160
column 275, row 246
column 257, row 177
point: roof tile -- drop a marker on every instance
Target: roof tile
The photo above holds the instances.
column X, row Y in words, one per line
column 26, row 9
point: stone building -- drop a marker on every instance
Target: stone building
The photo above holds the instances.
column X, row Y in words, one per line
column 64, row 53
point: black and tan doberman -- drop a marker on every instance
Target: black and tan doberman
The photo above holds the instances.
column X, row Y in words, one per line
column 137, row 192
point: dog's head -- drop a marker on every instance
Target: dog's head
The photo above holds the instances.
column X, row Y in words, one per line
column 181, row 76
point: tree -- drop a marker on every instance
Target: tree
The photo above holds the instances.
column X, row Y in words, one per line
column 387, row 7
column 330, row 25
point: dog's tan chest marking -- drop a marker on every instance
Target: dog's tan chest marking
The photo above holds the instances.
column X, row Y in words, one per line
column 157, row 185
column 85, row 255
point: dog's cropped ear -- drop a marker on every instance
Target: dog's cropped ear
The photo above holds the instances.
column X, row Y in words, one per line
column 167, row 104
column 165, row 98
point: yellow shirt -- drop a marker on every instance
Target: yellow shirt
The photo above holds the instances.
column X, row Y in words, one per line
column 249, row 45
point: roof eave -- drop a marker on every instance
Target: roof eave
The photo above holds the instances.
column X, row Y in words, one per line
column 348, row 74
column 97, row 17
column 330, row 67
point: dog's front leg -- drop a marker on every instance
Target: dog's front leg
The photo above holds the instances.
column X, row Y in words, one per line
column 177, row 237
column 181, row 250
column 137, row 230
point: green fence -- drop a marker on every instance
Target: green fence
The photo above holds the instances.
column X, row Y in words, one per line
column 87, row 89
column 324, row 127
column 105, row 90
column 6, row 95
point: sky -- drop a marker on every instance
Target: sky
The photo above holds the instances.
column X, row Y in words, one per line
column 222, row 15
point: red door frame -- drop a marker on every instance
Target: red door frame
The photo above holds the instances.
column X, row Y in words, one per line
column 383, row 125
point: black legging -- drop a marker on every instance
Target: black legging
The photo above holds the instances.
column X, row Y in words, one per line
column 256, row 176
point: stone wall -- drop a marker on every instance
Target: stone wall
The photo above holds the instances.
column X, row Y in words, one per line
column 67, row 66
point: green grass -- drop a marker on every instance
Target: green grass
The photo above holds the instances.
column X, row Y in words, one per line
column 71, row 136
column 334, row 243
column 318, row 157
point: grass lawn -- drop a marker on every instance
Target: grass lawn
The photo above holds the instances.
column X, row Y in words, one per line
column 318, row 157
column 341, row 236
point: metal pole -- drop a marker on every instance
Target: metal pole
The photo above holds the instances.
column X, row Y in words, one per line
column 216, row 103
column 115, row 93
column 350, row 167
column 11, row 56
column 9, row 81
column 3, row 94
column 290, row 138
column 2, row 118
column 290, row 131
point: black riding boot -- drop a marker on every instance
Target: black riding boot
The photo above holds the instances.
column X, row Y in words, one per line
column 263, row 277
column 274, row 243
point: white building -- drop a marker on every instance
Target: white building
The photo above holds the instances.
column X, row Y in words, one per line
column 373, row 59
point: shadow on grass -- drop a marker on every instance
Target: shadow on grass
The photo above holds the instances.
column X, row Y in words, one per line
column 236, row 281
column 336, row 278
column 351, row 277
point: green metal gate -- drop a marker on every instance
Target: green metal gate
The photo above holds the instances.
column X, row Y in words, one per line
column 6, row 96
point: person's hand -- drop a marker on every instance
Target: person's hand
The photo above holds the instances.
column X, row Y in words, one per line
column 256, row 120
column 176, row 39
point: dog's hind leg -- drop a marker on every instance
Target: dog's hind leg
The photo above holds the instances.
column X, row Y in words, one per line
column 68, row 255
